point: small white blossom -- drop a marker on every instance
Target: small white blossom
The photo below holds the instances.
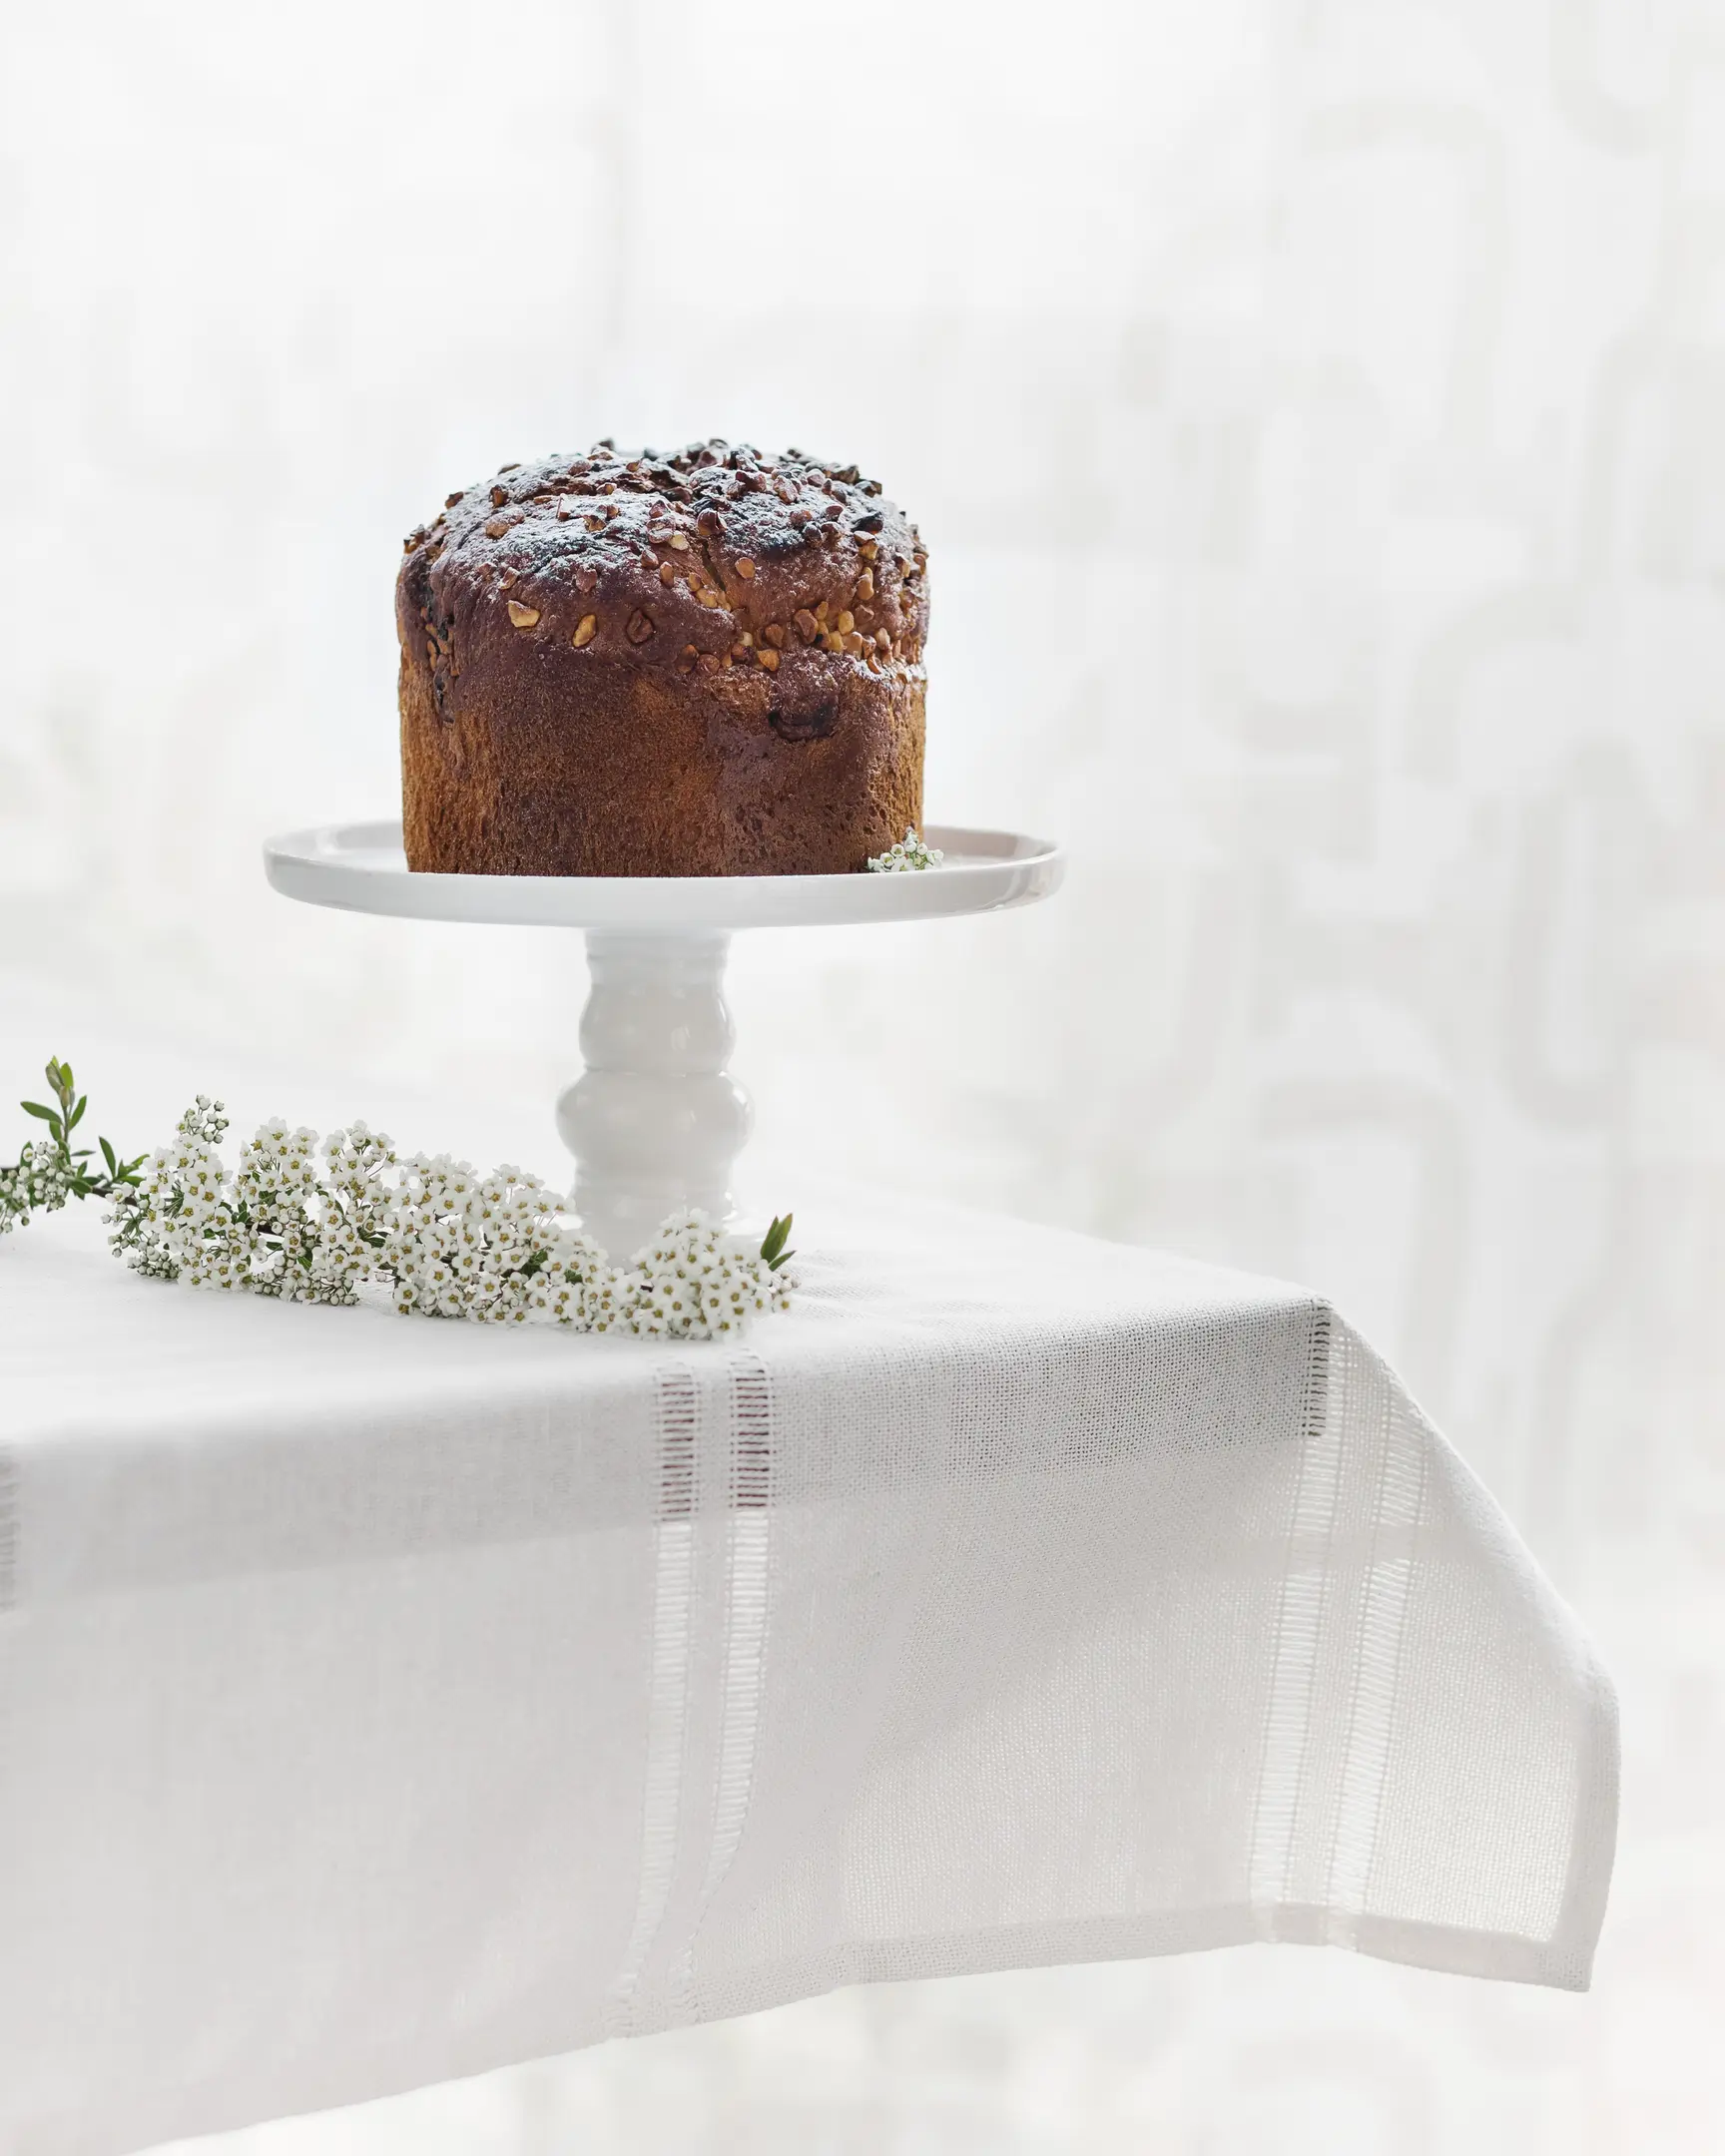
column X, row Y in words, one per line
column 909, row 853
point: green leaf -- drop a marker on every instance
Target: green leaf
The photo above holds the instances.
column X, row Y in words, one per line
column 35, row 1108
column 777, row 1238
column 76, row 1116
column 108, row 1155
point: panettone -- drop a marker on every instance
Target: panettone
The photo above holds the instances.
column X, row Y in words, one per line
column 702, row 664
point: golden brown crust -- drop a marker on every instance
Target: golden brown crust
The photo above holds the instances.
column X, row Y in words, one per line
column 707, row 663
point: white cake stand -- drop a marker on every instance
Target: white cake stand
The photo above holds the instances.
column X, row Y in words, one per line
column 656, row 1120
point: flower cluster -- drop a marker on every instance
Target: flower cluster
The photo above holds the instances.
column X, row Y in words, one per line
column 312, row 1223
column 40, row 1183
column 910, row 852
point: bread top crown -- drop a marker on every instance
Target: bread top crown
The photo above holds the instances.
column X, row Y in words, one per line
column 707, row 558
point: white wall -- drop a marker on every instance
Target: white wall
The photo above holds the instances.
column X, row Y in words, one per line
column 1316, row 412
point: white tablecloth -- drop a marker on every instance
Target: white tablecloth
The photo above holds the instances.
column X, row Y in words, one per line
column 381, row 1700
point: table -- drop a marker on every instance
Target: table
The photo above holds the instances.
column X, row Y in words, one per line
column 383, row 1701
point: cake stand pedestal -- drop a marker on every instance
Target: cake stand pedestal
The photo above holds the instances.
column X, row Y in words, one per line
column 656, row 1121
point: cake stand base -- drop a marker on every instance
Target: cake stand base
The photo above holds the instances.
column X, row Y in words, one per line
column 655, row 1121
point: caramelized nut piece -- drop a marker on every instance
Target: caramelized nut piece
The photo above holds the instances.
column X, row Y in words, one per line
column 847, row 622
column 449, row 500
column 710, row 522
column 496, row 527
column 679, row 542
column 821, row 613
column 709, row 662
column 868, row 550
column 586, row 632
column 769, row 658
column 865, row 584
column 807, row 625
column 499, row 495
column 883, row 642
column 775, row 635
column 853, row 642
column 667, row 574
column 745, row 567
column 640, row 626
column 585, row 579
column 524, row 617
column 834, row 642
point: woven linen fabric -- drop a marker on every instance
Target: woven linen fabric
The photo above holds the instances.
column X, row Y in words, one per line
column 382, row 1701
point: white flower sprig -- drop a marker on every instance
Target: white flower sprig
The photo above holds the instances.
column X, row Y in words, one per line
column 51, row 1170
column 442, row 1241
column 910, row 852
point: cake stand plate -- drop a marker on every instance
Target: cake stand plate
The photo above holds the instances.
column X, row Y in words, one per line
column 656, row 1120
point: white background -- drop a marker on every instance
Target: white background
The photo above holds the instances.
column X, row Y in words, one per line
column 1315, row 414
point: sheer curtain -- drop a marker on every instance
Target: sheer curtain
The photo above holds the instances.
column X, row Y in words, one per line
column 1316, row 413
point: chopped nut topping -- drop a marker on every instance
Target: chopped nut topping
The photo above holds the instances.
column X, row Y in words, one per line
column 847, row 622
column 834, row 643
column 868, row 550
column 883, row 642
column 872, row 522
column 807, row 625
column 865, row 584
column 709, row 662
column 710, row 522
column 640, row 626
column 524, row 617
column 667, row 575
column 798, row 517
column 585, row 579
column 679, row 542
column 449, row 500
column 496, row 527
column 775, row 635
column 820, row 612
column 853, row 642
column 563, row 515
column 499, row 495
column 586, row 630
column 770, row 660
column 745, row 567
column 745, row 641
